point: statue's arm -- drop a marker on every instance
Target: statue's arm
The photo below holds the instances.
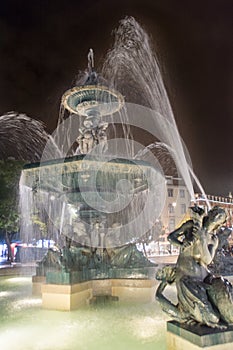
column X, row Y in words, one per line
column 175, row 236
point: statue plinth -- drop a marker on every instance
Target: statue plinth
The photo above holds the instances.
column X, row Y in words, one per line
column 193, row 337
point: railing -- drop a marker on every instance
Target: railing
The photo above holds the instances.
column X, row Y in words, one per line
column 216, row 199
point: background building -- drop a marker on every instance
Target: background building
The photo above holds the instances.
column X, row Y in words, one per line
column 176, row 211
column 176, row 204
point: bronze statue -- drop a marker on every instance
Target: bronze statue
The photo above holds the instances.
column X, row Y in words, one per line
column 202, row 297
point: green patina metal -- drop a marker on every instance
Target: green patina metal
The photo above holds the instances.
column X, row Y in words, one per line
column 73, row 277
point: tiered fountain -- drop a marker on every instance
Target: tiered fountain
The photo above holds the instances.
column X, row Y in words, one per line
column 100, row 204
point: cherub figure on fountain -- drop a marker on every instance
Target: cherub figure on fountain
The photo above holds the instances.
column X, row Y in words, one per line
column 92, row 133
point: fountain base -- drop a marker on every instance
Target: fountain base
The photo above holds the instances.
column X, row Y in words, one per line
column 194, row 337
column 71, row 297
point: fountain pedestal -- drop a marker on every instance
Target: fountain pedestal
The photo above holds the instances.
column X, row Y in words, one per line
column 37, row 282
column 183, row 336
column 66, row 297
column 71, row 297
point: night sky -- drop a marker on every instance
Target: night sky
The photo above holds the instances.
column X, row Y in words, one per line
column 43, row 45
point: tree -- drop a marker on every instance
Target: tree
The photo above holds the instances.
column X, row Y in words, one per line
column 10, row 171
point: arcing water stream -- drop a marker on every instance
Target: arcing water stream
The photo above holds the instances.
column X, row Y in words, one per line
column 24, row 138
column 132, row 68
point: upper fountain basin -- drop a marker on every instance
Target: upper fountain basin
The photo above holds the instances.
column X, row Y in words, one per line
column 92, row 99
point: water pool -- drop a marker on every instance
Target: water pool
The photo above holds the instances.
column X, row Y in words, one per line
column 25, row 325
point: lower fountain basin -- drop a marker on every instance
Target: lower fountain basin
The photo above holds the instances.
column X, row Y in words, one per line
column 24, row 325
column 88, row 174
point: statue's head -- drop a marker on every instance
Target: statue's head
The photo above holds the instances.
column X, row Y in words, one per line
column 215, row 219
column 197, row 210
column 197, row 213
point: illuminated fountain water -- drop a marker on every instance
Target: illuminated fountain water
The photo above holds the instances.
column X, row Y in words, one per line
column 25, row 325
column 132, row 69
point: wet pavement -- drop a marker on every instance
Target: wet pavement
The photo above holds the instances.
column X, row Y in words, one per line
column 4, row 263
column 7, row 268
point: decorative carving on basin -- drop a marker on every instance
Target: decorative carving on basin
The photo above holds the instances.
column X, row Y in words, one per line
column 84, row 100
column 66, row 176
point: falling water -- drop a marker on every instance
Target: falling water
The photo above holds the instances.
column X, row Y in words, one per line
column 27, row 138
column 131, row 63
column 132, row 68
column 200, row 187
column 165, row 155
column 24, row 138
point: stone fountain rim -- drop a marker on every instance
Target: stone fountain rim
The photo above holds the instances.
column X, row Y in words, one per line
column 81, row 157
column 76, row 89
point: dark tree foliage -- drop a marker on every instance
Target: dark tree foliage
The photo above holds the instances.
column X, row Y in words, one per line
column 10, row 171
